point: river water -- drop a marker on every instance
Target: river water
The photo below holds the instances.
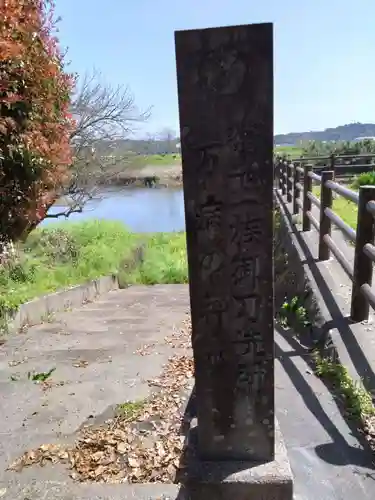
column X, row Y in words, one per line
column 143, row 210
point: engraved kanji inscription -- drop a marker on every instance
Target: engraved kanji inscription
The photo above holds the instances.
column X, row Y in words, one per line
column 245, row 229
column 244, row 275
column 246, row 307
column 209, row 219
column 246, row 180
column 212, row 266
column 225, row 92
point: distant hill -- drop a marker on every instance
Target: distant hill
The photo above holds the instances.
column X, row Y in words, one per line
column 342, row 133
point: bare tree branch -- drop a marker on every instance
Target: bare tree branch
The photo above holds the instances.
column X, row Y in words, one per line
column 104, row 112
column 105, row 118
column 66, row 213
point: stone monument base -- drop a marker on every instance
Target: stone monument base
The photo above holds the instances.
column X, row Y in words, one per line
column 217, row 480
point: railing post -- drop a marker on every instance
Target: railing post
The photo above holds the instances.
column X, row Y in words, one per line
column 283, row 182
column 275, row 170
column 307, row 186
column 286, row 176
column 289, row 182
column 332, row 162
column 280, row 174
column 296, row 192
column 325, row 222
column 332, row 165
column 362, row 272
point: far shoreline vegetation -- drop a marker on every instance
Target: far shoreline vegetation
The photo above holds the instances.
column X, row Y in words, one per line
column 144, row 170
column 164, row 169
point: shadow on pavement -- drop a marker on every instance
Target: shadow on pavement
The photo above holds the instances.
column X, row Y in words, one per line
column 339, row 322
column 338, row 452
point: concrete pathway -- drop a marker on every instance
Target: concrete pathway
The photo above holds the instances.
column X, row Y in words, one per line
column 96, row 352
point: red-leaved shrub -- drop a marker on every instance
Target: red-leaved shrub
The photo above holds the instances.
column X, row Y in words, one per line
column 35, row 125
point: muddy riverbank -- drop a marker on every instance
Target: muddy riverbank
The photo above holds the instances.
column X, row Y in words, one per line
column 148, row 176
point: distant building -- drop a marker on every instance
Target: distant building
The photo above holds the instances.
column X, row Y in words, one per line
column 359, row 139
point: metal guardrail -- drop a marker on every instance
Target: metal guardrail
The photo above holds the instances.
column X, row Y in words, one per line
column 296, row 182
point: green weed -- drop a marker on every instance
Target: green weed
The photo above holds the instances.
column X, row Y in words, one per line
column 40, row 376
column 293, row 313
column 130, row 410
column 364, row 179
column 357, row 400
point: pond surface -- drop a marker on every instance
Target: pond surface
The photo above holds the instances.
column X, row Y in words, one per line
column 143, row 210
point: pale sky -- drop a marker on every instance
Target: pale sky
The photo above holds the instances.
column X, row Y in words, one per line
column 324, row 52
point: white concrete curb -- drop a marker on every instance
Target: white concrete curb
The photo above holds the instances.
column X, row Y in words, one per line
column 33, row 312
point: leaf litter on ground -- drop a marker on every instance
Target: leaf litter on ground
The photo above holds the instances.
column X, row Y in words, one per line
column 179, row 338
column 145, row 447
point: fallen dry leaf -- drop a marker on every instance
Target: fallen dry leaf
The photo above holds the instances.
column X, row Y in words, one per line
column 121, row 448
column 145, row 350
column 147, row 448
column 81, row 363
column 369, row 430
column 133, row 462
column 180, row 337
column 17, row 362
column 49, row 384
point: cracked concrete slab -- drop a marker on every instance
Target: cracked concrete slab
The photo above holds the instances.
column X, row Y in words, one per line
column 94, row 352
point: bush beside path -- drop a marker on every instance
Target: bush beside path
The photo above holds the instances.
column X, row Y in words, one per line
column 67, row 254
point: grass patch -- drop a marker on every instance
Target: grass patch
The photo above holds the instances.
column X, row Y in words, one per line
column 67, row 254
column 158, row 160
column 345, row 209
column 130, row 410
column 165, row 260
column 63, row 255
column 293, row 151
column 168, row 159
column 357, row 400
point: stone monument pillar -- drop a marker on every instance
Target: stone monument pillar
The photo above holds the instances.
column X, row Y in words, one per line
column 225, row 90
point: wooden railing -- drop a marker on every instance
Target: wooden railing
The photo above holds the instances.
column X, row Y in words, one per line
column 295, row 183
column 344, row 166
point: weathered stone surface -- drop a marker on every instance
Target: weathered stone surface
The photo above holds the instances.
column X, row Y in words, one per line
column 225, row 86
column 241, row 480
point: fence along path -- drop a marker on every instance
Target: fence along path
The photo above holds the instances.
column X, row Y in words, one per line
column 344, row 166
column 295, row 182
